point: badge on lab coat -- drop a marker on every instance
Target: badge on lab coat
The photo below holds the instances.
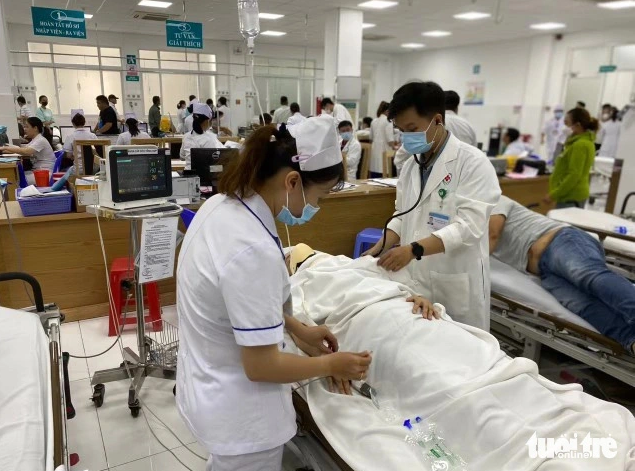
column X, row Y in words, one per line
column 438, row 221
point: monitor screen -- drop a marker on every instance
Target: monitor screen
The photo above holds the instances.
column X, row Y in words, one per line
column 139, row 174
column 209, row 163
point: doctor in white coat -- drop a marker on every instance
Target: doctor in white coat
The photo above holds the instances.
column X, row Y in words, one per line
column 383, row 137
column 444, row 199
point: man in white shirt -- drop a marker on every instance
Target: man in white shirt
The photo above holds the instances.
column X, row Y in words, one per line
column 225, row 120
column 112, row 99
column 552, row 131
column 25, row 111
column 514, row 144
column 458, row 126
column 339, row 112
column 283, row 113
column 296, row 116
column 351, row 147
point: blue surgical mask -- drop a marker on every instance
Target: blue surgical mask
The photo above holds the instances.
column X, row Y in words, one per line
column 417, row 142
column 286, row 217
column 558, row 114
column 347, row 136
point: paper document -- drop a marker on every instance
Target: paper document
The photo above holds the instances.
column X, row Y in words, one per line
column 8, row 160
column 158, row 246
column 528, row 172
column 391, row 182
column 345, row 187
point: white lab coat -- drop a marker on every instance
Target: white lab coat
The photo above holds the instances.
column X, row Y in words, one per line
column 401, row 156
column 552, row 130
column 460, row 127
column 296, row 118
column 226, row 120
column 340, row 113
column 180, row 119
column 282, row 114
column 609, row 136
column 459, row 278
column 381, row 133
column 207, row 140
column 517, row 148
column 353, row 151
column 188, row 123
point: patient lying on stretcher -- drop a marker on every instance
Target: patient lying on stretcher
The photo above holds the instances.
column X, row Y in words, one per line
column 571, row 266
column 486, row 405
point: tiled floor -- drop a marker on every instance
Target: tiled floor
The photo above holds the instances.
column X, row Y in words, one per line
column 109, row 438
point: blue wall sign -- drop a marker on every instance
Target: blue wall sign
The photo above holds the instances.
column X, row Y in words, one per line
column 58, row 23
column 184, row 34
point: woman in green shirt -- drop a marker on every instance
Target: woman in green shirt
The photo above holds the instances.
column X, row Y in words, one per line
column 45, row 114
column 569, row 182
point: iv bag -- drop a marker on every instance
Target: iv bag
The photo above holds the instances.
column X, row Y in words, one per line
column 248, row 19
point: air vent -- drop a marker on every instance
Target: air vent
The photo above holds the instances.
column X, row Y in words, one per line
column 377, row 37
column 143, row 15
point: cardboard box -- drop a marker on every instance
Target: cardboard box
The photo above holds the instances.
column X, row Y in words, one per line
column 84, row 190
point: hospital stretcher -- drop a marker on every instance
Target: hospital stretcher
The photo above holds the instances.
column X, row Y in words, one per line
column 527, row 316
column 33, row 404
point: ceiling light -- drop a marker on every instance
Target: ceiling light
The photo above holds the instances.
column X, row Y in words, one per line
column 436, row 34
column 155, row 4
column 472, row 15
column 270, row 16
column 618, row 4
column 378, row 4
column 273, row 33
column 548, row 26
column 413, row 45
column 368, row 25
column 88, row 16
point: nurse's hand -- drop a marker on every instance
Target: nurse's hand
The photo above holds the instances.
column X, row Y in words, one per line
column 319, row 337
column 423, row 306
column 349, row 366
column 397, row 258
column 341, row 386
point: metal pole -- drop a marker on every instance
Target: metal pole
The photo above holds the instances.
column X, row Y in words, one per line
column 141, row 332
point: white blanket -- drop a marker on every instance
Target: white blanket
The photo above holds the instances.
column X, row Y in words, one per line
column 26, row 425
column 485, row 404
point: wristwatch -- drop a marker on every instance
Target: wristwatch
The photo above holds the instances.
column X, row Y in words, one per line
column 417, row 250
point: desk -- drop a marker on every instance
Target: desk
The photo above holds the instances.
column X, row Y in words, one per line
column 10, row 173
column 529, row 192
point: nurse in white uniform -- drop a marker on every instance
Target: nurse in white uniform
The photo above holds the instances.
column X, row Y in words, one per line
column 383, row 137
column 233, row 296
column 200, row 136
column 609, row 135
column 445, row 195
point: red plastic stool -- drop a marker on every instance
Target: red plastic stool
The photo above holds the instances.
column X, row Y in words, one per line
column 120, row 270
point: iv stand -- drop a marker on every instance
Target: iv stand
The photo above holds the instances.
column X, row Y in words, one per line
column 134, row 367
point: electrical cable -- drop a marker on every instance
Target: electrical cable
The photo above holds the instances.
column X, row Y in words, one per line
column 307, row 383
column 253, row 84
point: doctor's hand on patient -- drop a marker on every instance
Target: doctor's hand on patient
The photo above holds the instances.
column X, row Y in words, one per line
column 319, row 338
column 424, row 307
column 397, row 258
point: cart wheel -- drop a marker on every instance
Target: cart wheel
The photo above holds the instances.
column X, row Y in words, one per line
column 98, row 395
column 135, row 408
column 174, row 390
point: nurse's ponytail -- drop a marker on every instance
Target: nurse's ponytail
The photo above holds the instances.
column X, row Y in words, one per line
column 264, row 154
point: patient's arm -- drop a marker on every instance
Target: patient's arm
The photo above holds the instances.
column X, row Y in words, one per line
column 496, row 226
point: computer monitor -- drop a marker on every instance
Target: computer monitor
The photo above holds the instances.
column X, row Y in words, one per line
column 66, row 131
column 139, row 174
column 208, row 164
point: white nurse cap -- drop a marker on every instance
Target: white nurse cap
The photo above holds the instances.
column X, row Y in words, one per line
column 202, row 108
column 317, row 142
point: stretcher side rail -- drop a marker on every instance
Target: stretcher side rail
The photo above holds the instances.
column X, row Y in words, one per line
column 530, row 325
column 306, row 424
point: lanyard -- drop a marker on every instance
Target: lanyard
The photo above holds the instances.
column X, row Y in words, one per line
column 276, row 239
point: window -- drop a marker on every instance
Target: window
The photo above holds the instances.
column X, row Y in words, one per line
column 44, row 79
column 81, row 55
column 110, row 56
column 78, row 89
column 44, row 48
column 148, row 59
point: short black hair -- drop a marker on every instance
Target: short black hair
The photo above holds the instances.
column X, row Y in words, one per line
column 102, row 99
column 581, row 104
column 284, row 100
column 327, row 101
column 44, row 96
column 223, row 101
column 21, row 100
column 268, row 119
column 513, row 134
column 343, row 124
column 192, row 97
column 210, row 102
column 295, row 108
column 426, row 97
column 78, row 120
column 367, row 120
column 156, row 99
column 452, row 100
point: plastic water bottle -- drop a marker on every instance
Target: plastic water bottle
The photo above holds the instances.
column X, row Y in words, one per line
column 432, row 446
column 620, row 230
column 248, row 19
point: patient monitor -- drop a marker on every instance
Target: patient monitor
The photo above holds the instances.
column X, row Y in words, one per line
column 136, row 176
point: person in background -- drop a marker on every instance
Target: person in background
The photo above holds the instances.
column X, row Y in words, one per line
column 296, row 117
column 154, row 116
column 25, row 111
column 133, row 132
column 225, row 121
column 445, row 195
column 199, row 137
column 551, row 132
column 268, row 120
column 605, row 114
column 108, row 123
column 282, row 114
column 189, row 119
column 181, row 114
column 383, row 137
column 210, row 103
column 458, row 126
column 580, row 104
column 39, row 149
column 338, row 111
column 79, row 134
column 569, row 182
column 366, row 122
column 514, row 144
column 221, row 131
column 112, row 99
column 609, row 135
column 571, row 265
column 351, row 147
column 192, row 100
column 45, row 114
